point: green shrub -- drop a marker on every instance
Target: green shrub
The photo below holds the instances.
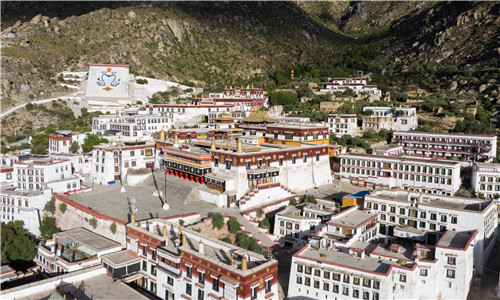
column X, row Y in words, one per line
column 233, row 225
column 141, row 81
column 50, row 206
column 260, row 212
column 93, row 222
column 218, row 220
column 48, row 227
column 112, row 227
column 62, row 207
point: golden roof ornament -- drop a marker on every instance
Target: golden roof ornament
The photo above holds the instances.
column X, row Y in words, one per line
column 162, row 135
column 176, row 139
column 239, row 148
column 212, row 145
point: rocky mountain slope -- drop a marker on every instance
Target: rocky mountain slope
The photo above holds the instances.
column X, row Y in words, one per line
column 233, row 43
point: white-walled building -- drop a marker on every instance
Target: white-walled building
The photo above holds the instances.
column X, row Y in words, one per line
column 254, row 175
column 340, row 125
column 294, row 224
column 61, row 141
column 173, row 264
column 424, row 175
column 132, row 124
column 242, row 99
column 24, row 206
column 110, row 163
column 45, row 173
column 390, row 118
column 457, row 146
column 73, row 250
column 372, row 271
column 486, row 179
column 358, row 85
column 425, row 217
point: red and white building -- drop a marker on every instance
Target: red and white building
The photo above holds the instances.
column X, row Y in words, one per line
column 455, row 146
column 110, row 163
column 62, row 140
column 358, row 85
column 241, row 98
column 174, row 263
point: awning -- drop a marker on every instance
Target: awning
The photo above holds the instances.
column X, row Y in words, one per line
column 86, row 250
column 65, row 241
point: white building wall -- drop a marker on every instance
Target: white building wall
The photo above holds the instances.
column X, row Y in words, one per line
column 485, row 179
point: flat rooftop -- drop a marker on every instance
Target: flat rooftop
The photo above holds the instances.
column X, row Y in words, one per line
column 182, row 196
column 87, row 238
column 448, row 202
column 367, row 263
column 455, row 239
column 403, row 158
column 119, row 258
column 351, row 219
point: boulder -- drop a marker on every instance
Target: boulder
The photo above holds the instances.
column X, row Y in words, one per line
column 482, row 88
column 36, row 19
column 453, row 85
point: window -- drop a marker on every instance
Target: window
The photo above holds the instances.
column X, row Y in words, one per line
column 297, row 226
column 307, row 281
column 452, row 260
column 317, row 157
column 188, row 289
column 189, row 271
column 170, row 281
column 308, row 270
column 216, row 162
column 433, row 216
column 367, row 282
column 453, row 220
column 450, row 273
column 316, row 284
column 402, row 277
column 443, row 218
column 248, row 165
column 201, row 277
column 294, row 158
column 305, row 158
column 228, row 165
column 355, row 280
column 366, row 295
column 326, row 274
column 346, row 278
column 335, row 288
column 402, row 211
column 281, row 161
column 355, row 293
column 423, row 272
column 376, row 284
column 215, row 284
column 345, row 291
column 336, row 276
column 144, row 266
column 201, row 294
column 317, row 272
column 383, row 207
column 254, row 293
column 268, row 286
column 153, row 270
column 432, row 226
column 326, row 286
column 144, row 249
column 299, row 280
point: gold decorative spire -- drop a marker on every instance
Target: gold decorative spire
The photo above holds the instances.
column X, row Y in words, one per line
column 162, row 135
column 176, row 139
column 164, row 231
column 239, row 148
column 229, row 144
column 284, row 123
column 184, row 242
column 300, row 124
column 179, row 234
column 212, row 146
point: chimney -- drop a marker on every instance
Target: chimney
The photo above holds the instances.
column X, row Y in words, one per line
column 244, row 263
column 164, row 231
column 202, row 248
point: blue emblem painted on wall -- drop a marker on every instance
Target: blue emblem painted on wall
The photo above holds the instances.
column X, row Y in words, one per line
column 107, row 80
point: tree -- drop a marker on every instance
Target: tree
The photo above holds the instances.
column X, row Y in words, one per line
column 217, row 220
column 233, row 225
column 112, row 227
column 48, row 227
column 17, row 245
column 93, row 222
column 40, row 144
column 92, row 140
column 74, row 147
column 50, row 206
column 181, row 222
column 260, row 212
column 266, row 224
column 62, row 207
column 293, row 201
column 283, row 98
